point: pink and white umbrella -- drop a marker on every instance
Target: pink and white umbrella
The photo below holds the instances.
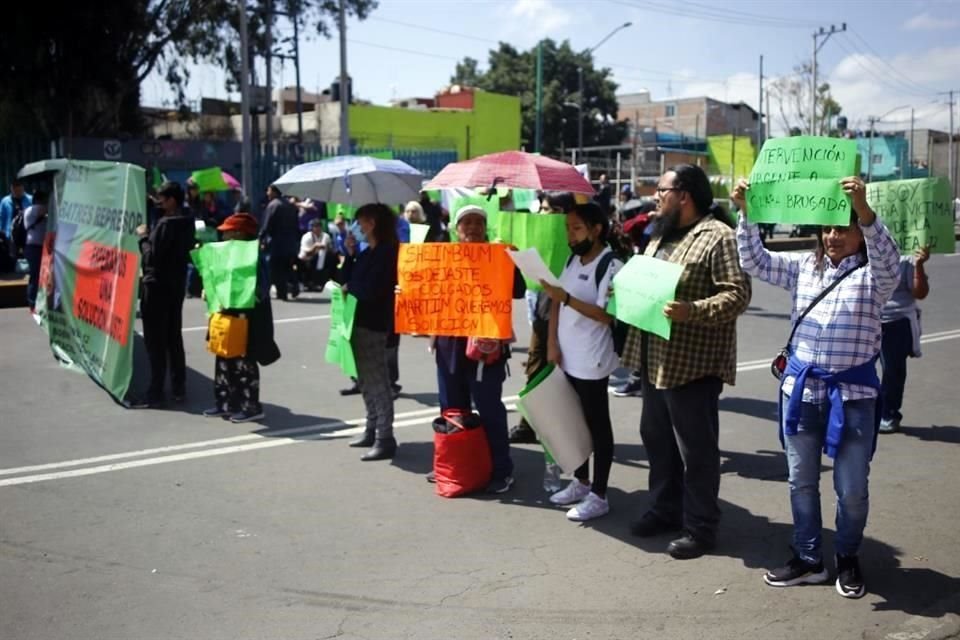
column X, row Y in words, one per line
column 514, row 169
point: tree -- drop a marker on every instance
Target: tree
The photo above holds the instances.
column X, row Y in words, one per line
column 792, row 93
column 77, row 70
column 513, row 72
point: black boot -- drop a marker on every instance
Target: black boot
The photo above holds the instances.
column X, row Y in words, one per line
column 383, row 449
column 363, row 441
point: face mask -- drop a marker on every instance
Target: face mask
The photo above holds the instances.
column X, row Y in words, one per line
column 358, row 234
column 582, row 248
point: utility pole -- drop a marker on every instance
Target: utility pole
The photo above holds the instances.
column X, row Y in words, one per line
column 538, row 134
column 952, row 163
column 580, row 88
column 760, row 110
column 269, row 56
column 296, row 66
column 910, row 144
column 873, row 121
column 246, row 153
column 345, row 91
column 822, row 33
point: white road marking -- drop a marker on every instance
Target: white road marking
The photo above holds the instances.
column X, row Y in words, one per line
column 280, row 321
column 255, row 441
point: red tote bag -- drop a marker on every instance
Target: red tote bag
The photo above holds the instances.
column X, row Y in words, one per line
column 461, row 458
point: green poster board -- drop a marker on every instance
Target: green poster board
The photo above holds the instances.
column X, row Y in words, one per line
column 209, row 180
column 919, row 213
column 547, row 233
column 90, row 270
column 641, row 289
column 343, row 307
column 229, row 273
column 490, row 206
column 797, row 181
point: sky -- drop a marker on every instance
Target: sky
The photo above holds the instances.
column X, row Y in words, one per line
column 895, row 54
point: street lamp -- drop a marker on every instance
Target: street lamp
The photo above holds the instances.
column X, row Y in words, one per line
column 580, row 87
column 873, row 121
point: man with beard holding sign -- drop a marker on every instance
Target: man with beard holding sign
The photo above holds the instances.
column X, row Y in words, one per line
column 683, row 376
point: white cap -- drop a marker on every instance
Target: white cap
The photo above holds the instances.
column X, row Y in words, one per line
column 469, row 210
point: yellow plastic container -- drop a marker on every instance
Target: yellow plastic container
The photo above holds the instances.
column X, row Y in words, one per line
column 228, row 335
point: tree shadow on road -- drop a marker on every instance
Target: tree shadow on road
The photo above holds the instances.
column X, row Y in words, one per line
column 933, row 433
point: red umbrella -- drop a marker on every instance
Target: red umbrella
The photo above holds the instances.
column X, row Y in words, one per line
column 514, row 169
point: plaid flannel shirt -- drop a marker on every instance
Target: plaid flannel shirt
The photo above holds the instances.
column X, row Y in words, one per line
column 713, row 282
column 843, row 329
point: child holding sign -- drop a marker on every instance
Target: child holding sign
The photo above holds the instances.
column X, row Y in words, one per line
column 236, row 379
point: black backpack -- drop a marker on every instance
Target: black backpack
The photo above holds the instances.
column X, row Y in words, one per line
column 18, row 228
column 618, row 329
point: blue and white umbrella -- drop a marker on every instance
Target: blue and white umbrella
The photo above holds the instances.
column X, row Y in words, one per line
column 355, row 180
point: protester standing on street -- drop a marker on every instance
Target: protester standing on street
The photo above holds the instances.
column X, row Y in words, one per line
column 900, row 323
column 35, row 223
column 581, row 343
column 11, row 206
column 829, row 386
column 370, row 275
column 683, row 376
column 458, row 381
column 165, row 252
column 280, row 235
column 236, row 381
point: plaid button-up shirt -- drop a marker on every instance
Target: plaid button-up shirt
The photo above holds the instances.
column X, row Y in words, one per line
column 718, row 290
column 843, row 330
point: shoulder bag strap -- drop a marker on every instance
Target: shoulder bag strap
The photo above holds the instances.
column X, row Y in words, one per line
column 816, row 301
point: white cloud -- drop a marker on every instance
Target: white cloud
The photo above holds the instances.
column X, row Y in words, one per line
column 926, row 22
column 866, row 86
column 528, row 21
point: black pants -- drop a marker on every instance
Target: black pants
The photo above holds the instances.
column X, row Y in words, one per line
column 596, row 410
column 162, row 314
column 393, row 357
column 236, row 384
column 680, row 429
column 284, row 276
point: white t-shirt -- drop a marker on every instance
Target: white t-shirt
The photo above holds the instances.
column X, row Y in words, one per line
column 309, row 241
column 586, row 346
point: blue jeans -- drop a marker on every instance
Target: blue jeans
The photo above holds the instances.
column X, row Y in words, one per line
column 851, row 468
column 459, row 388
column 895, row 347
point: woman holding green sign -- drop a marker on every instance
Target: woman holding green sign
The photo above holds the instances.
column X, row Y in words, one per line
column 829, row 384
column 581, row 343
column 370, row 276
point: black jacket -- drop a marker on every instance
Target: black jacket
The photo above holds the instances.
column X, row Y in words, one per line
column 280, row 230
column 371, row 277
column 166, row 251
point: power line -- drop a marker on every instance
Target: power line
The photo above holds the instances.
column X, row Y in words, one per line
column 889, row 82
column 907, row 80
column 398, row 49
column 716, row 16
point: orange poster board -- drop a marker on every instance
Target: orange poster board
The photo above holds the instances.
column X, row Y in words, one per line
column 104, row 289
column 461, row 289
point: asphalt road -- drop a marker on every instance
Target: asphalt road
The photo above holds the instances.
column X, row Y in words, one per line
column 122, row 524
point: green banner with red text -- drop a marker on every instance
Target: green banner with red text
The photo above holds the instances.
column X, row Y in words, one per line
column 90, row 271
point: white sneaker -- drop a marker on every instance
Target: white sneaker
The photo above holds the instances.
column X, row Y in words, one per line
column 593, row 506
column 574, row 493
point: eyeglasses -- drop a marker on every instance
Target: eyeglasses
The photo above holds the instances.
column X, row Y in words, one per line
column 663, row 190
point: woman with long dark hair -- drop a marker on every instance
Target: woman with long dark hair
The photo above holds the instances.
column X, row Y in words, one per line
column 829, row 386
column 370, row 275
column 581, row 343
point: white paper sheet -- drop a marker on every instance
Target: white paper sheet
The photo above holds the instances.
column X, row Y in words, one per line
column 532, row 266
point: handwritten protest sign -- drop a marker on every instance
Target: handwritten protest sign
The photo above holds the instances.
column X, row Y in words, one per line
column 919, row 213
column 547, row 233
column 797, row 181
column 229, row 273
column 641, row 289
column 462, row 289
column 90, row 269
column 343, row 307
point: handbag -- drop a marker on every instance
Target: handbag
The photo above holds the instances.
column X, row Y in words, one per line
column 461, row 455
column 227, row 335
column 779, row 364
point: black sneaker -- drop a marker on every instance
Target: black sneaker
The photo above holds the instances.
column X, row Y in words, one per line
column 217, row 412
column 350, row 391
column 849, row 579
column 628, row 390
column 431, row 477
column 522, row 434
column 146, row 402
column 797, row 571
column 500, row 486
column 246, row 416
